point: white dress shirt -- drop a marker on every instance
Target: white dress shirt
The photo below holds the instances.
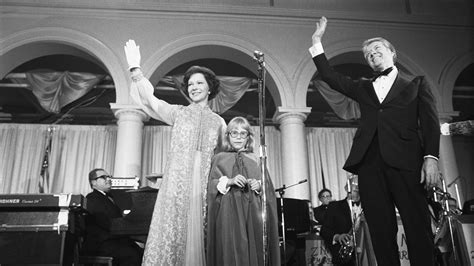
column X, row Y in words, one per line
column 383, row 84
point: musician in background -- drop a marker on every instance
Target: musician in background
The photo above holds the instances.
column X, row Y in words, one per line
column 336, row 229
column 468, row 207
column 102, row 209
column 325, row 196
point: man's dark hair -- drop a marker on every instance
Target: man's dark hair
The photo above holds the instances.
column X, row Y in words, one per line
column 320, row 194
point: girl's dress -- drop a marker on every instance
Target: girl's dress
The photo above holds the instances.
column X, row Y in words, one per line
column 235, row 226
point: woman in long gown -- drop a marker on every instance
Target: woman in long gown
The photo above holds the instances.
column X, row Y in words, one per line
column 176, row 235
column 235, row 226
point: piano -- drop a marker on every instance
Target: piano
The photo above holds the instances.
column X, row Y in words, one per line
column 40, row 228
column 296, row 214
column 140, row 202
column 298, row 218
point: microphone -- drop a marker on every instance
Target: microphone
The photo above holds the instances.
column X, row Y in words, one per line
column 257, row 54
column 285, row 186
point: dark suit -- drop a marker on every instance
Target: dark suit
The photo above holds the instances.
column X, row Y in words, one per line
column 99, row 241
column 320, row 213
column 336, row 221
column 387, row 154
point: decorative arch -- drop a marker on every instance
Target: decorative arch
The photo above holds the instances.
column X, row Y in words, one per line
column 55, row 39
column 448, row 77
column 219, row 46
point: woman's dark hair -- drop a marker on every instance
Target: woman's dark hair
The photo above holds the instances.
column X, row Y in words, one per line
column 208, row 74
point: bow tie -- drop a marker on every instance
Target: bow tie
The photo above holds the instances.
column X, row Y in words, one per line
column 377, row 74
column 356, row 203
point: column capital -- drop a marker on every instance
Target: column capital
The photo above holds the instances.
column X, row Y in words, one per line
column 283, row 114
column 128, row 111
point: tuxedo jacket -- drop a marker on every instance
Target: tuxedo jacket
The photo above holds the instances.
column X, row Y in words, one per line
column 320, row 212
column 101, row 212
column 406, row 122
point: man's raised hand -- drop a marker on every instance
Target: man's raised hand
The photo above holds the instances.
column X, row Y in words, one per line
column 320, row 29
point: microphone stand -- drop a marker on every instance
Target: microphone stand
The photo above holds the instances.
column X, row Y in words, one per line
column 281, row 191
column 259, row 57
column 354, row 220
column 448, row 215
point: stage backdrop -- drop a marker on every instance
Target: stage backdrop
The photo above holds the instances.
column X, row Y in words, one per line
column 58, row 158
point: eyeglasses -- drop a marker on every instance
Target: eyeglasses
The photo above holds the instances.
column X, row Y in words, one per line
column 104, row 177
column 326, row 196
column 236, row 134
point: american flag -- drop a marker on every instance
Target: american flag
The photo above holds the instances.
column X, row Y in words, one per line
column 43, row 182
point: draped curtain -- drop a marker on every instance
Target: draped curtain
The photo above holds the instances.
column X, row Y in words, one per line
column 155, row 148
column 75, row 150
column 273, row 143
column 231, row 89
column 343, row 106
column 55, row 90
column 21, row 150
column 328, row 149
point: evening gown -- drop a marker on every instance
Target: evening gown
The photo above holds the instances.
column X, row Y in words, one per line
column 176, row 235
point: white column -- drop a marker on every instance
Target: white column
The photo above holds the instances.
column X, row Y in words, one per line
column 447, row 161
column 128, row 154
column 294, row 151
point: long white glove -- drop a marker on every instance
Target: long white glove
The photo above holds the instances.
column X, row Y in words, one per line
column 132, row 52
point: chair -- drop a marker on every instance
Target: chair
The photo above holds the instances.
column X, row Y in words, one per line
column 95, row 260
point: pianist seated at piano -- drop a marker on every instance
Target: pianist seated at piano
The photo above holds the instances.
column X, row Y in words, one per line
column 102, row 209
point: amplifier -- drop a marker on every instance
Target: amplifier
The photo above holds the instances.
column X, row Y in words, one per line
column 42, row 201
column 40, row 228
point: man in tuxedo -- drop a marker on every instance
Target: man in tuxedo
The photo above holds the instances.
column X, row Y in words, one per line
column 325, row 197
column 337, row 224
column 395, row 149
column 102, row 209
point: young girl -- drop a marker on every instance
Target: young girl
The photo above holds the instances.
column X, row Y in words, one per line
column 235, row 229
